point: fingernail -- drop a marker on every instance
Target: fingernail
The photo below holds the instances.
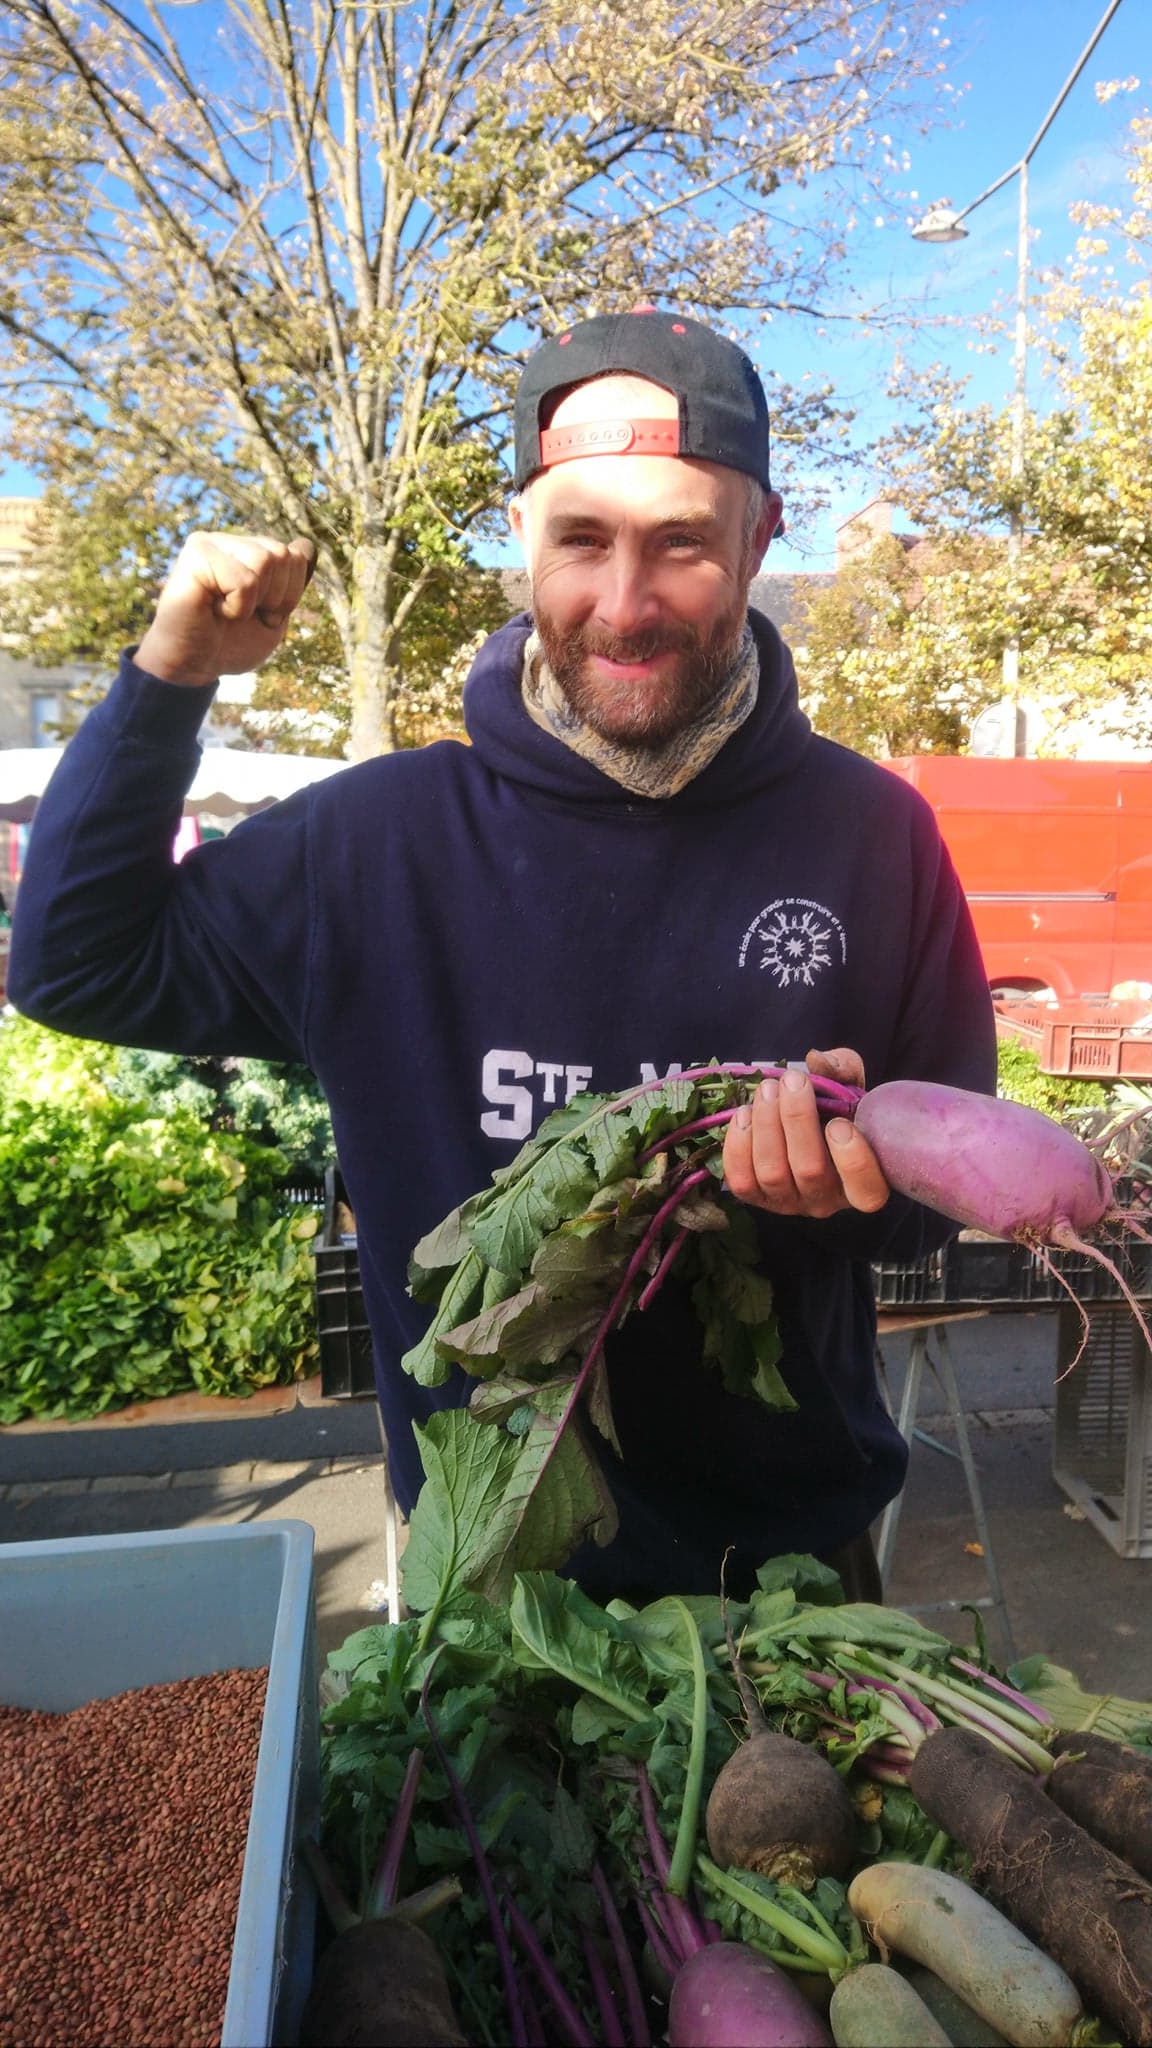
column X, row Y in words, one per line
column 838, row 1132
column 770, row 1088
column 743, row 1118
column 794, row 1078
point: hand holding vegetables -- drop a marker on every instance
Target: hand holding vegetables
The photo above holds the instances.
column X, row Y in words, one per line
column 779, row 1155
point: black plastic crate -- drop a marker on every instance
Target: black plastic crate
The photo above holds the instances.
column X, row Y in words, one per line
column 346, row 1367
column 971, row 1271
column 345, row 1340
column 964, row 1271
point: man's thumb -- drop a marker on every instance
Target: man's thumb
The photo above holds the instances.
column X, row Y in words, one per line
column 301, row 545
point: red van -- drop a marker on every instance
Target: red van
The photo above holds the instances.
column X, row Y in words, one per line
column 1056, row 862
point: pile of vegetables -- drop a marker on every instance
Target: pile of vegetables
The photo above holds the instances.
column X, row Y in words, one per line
column 725, row 1825
column 779, row 1822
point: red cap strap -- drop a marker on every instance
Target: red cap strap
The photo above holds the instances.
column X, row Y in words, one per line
column 609, row 437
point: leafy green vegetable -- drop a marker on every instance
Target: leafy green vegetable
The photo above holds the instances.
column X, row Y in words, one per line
column 555, row 1627
column 486, row 1511
column 140, row 1254
column 1071, row 1707
column 528, row 1278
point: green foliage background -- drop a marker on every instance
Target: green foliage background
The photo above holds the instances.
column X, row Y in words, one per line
column 146, row 1247
column 1019, row 1077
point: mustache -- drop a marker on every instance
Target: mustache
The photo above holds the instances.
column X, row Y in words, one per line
column 636, row 646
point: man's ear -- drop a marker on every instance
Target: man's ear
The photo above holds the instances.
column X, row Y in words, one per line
column 520, row 521
column 770, row 524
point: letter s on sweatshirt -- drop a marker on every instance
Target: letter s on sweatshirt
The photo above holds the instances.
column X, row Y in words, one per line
column 515, row 1121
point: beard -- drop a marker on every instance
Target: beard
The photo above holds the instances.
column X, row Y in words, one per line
column 643, row 713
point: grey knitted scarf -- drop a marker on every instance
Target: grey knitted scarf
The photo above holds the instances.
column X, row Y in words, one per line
column 645, row 771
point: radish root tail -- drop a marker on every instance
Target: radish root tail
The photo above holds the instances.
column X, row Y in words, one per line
column 1066, row 1239
column 1127, row 1222
column 1049, row 1264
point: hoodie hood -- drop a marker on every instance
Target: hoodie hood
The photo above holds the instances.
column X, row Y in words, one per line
column 767, row 746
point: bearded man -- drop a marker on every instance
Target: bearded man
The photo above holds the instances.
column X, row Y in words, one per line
column 645, row 858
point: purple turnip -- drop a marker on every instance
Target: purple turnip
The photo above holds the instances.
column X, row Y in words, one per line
column 729, row 1996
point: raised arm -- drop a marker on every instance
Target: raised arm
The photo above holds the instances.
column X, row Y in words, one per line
column 111, row 939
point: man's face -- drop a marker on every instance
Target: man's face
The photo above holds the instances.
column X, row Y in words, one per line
column 640, row 569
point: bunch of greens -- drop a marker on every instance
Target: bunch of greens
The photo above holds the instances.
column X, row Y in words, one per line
column 529, row 1277
column 140, row 1255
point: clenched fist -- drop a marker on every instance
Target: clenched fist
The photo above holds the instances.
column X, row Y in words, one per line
column 225, row 607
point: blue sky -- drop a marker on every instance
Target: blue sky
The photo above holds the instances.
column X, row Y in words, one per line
column 1008, row 59
column 1011, row 59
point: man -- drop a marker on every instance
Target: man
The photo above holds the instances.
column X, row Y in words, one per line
column 644, row 858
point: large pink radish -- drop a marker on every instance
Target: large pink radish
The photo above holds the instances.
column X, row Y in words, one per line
column 993, row 1165
column 998, row 1167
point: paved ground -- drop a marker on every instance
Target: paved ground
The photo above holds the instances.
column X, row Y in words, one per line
column 1068, row 1593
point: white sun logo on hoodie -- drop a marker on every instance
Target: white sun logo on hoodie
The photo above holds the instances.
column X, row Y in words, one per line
column 795, row 939
column 795, row 947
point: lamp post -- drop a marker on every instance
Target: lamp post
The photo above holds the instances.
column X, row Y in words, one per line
column 941, row 224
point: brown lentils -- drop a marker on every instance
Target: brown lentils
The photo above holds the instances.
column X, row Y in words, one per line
column 122, row 1833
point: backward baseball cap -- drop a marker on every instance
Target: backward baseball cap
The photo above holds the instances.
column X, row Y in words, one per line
column 723, row 413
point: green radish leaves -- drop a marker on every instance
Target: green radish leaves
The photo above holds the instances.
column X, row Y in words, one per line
column 495, row 1502
column 528, row 1278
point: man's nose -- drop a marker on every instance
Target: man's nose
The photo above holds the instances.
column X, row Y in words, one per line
column 627, row 600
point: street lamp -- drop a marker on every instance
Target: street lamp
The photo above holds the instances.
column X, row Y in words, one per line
column 941, row 224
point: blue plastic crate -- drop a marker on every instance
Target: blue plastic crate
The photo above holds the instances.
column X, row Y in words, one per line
column 84, row 1618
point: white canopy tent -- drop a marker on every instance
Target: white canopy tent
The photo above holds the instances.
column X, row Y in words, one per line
column 228, row 780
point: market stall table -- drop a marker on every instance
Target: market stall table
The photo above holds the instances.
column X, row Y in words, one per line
column 920, row 1326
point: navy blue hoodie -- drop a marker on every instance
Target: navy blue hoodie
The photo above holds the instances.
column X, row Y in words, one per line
column 457, row 939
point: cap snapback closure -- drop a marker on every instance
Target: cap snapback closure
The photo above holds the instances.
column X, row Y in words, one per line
column 609, row 437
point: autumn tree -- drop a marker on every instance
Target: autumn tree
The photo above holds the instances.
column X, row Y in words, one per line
column 892, row 657
column 288, row 255
column 1077, row 599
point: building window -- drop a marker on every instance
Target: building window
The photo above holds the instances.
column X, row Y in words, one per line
column 45, row 717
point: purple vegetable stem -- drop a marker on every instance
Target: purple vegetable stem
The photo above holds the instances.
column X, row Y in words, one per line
column 833, row 1099
column 503, row 1946
column 611, row 2031
column 884, row 1774
column 664, row 1268
column 570, row 2019
column 1019, row 1699
column 856, row 1688
column 656, row 1942
column 626, row 1968
column 616, row 1305
column 702, row 1123
column 537, row 2037
column 684, row 1930
column 656, row 1843
column 844, row 1094
column 382, row 1892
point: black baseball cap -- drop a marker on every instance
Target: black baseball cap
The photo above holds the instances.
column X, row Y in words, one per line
column 723, row 410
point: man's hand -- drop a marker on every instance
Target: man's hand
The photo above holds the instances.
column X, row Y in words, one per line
column 778, row 1156
column 225, row 607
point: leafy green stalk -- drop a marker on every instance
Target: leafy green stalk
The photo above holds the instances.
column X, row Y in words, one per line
column 821, row 1944
column 684, row 1850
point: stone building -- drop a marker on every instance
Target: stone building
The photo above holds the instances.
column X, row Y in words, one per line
column 32, row 699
